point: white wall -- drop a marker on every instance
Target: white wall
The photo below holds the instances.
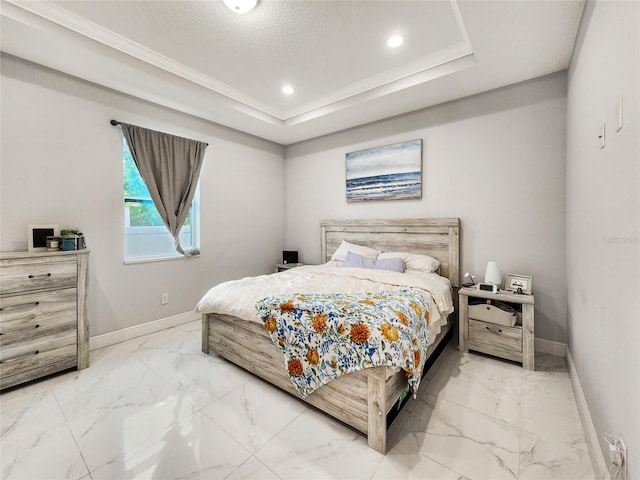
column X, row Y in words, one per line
column 61, row 162
column 603, row 220
column 496, row 160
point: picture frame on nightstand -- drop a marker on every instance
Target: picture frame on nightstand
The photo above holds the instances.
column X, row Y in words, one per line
column 519, row 283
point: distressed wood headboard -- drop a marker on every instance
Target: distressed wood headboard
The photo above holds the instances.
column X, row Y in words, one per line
column 436, row 237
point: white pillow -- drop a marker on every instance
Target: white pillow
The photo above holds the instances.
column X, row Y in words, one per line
column 414, row 261
column 333, row 263
column 340, row 255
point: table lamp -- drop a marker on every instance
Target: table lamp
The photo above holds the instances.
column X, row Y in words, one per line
column 492, row 274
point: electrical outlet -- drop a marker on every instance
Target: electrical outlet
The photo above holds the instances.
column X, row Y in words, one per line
column 618, row 456
column 623, row 456
column 164, row 299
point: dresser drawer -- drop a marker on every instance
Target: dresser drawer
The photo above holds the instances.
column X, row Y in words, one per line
column 508, row 338
column 33, row 361
column 37, row 350
column 35, row 314
column 28, row 274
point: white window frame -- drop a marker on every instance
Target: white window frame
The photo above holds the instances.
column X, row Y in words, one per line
column 165, row 254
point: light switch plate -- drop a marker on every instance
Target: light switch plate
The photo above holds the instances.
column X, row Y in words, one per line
column 619, row 115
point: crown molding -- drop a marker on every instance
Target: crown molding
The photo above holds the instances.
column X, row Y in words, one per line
column 93, row 31
column 455, row 64
column 394, row 80
column 457, row 56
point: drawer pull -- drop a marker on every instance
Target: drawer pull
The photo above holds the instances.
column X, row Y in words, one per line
column 37, row 326
column 499, row 330
column 37, row 352
column 43, row 275
column 20, row 305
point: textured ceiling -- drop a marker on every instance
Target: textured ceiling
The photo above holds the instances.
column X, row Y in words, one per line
column 340, row 42
column 202, row 58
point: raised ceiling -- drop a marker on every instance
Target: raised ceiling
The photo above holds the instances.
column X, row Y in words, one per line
column 201, row 58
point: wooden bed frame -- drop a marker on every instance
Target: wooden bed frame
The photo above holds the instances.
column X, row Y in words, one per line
column 363, row 399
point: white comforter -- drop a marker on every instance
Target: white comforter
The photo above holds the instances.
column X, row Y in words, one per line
column 238, row 297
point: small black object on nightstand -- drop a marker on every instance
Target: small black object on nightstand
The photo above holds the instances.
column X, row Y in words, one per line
column 289, row 256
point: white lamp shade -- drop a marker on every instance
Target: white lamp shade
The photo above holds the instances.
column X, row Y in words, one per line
column 492, row 274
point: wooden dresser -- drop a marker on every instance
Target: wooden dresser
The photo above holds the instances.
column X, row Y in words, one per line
column 43, row 314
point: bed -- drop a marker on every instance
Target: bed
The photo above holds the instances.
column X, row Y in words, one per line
column 363, row 399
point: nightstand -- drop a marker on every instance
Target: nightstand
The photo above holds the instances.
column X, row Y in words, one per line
column 511, row 342
column 281, row 267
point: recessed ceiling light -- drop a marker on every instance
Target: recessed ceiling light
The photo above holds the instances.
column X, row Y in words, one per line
column 395, row 41
column 240, row 6
column 287, row 90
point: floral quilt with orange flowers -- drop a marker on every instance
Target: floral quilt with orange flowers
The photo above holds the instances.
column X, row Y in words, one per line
column 324, row 336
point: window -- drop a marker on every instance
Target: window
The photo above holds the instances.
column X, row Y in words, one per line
column 145, row 236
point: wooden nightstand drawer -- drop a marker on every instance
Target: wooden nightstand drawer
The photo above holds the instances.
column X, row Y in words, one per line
column 509, row 338
column 35, row 314
column 492, row 314
column 25, row 274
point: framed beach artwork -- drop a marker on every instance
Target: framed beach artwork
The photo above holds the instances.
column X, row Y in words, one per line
column 392, row 172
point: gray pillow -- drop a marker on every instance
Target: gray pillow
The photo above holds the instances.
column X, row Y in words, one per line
column 360, row 261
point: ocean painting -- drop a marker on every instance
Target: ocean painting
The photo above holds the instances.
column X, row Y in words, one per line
column 393, row 172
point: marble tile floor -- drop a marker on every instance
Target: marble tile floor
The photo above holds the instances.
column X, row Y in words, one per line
column 157, row 408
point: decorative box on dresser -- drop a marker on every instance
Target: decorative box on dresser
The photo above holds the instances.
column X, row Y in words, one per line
column 514, row 343
column 43, row 314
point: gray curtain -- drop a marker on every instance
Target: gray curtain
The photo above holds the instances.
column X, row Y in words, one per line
column 170, row 166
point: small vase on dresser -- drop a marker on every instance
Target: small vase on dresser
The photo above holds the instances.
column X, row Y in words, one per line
column 44, row 326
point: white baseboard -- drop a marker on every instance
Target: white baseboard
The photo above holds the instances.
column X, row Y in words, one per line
column 111, row 338
column 597, row 457
column 549, row 347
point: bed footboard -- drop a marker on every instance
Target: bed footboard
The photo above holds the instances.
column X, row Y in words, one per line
column 248, row 345
column 360, row 400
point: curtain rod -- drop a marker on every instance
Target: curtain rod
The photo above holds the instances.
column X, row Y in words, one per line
column 115, row 123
